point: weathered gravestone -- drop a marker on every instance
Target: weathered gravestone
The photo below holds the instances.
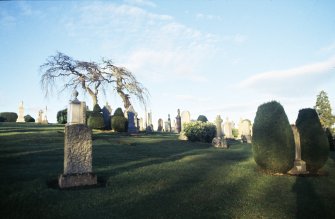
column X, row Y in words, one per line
column 39, row 118
column 219, row 141
column 131, row 120
column 77, row 150
column 106, row 113
column 178, row 122
column 244, row 130
column 228, row 129
column 20, row 114
column 160, row 125
column 150, row 126
column 185, row 118
column 141, row 124
column 299, row 165
column 168, row 124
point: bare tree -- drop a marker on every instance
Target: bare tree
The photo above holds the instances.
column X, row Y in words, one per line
column 91, row 77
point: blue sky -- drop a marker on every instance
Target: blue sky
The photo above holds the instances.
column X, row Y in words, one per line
column 209, row 57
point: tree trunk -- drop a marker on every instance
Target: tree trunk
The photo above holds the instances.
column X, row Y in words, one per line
column 93, row 95
column 125, row 98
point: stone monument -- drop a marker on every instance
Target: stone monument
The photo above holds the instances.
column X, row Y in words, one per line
column 45, row 119
column 299, row 165
column 20, row 114
column 228, row 129
column 160, row 125
column 77, row 149
column 39, row 119
column 131, row 120
column 244, row 130
column 178, row 122
column 185, row 118
column 106, row 113
column 218, row 141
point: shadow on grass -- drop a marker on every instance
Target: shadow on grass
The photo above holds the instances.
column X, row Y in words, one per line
column 309, row 204
column 53, row 184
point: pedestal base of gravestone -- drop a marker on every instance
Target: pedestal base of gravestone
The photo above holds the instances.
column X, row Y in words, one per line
column 220, row 143
column 182, row 136
column 75, row 180
column 299, row 168
column 77, row 157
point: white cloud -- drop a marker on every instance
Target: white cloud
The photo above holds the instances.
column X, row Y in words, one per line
column 202, row 16
column 328, row 48
column 141, row 3
column 152, row 45
column 237, row 38
column 316, row 68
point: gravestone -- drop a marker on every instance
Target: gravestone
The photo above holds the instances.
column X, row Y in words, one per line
column 106, row 113
column 178, row 122
column 244, row 130
column 219, row 141
column 228, row 129
column 20, row 114
column 137, row 121
column 160, row 125
column 169, row 124
column 141, row 124
column 131, row 120
column 299, row 165
column 45, row 119
column 77, row 151
column 185, row 118
column 149, row 127
column 39, row 118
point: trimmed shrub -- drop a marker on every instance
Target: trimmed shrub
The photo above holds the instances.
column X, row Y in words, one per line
column 202, row 118
column 62, row 116
column 272, row 141
column 9, row 116
column 97, row 108
column 28, row 118
column 330, row 140
column 96, row 121
column 118, row 112
column 2, row 119
column 313, row 140
column 119, row 122
column 200, row 131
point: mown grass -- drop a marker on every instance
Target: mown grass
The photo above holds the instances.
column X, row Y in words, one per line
column 151, row 176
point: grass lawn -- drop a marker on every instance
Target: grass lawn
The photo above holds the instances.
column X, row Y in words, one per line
column 151, row 176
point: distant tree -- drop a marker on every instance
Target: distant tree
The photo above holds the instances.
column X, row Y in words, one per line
column 324, row 110
column 202, row 118
column 92, row 77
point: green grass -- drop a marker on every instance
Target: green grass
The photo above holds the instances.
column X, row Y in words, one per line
column 151, row 176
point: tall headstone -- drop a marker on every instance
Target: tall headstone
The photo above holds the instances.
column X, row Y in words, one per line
column 244, row 130
column 20, row 114
column 228, row 129
column 141, row 124
column 178, row 122
column 299, row 165
column 185, row 118
column 169, row 123
column 160, row 125
column 131, row 120
column 45, row 119
column 77, row 150
column 39, row 119
column 219, row 141
column 150, row 126
column 106, row 113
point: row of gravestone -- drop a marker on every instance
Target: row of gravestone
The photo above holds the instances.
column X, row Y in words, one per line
column 41, row 116
column 78, row 140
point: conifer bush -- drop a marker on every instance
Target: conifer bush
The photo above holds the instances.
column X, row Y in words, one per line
column 9, row 116
column 313, row 140
column 29, row 118
column 119, row 122
column 202, row 118
column 62, row 116
column 273, row 142
column 96, row 120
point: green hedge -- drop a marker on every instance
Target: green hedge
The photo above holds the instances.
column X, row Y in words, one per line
column 29, row 118
column 202, row 118
column 272, row 141
column 62, row 116
column 200, row 131
column 8, row 116
column 313, row 140
column 96, row 121
column 119, row 122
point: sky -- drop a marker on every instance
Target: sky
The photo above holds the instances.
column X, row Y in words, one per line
column 210, row 57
